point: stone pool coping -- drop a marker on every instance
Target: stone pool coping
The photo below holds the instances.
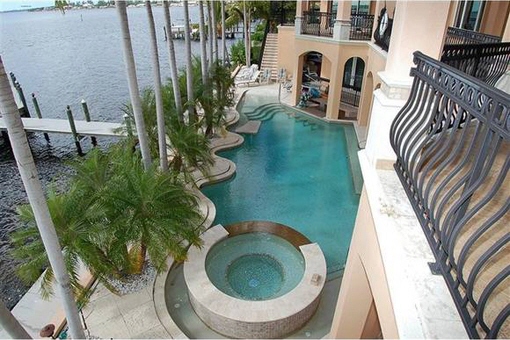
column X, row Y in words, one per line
column 238, row 318
column 222, row 170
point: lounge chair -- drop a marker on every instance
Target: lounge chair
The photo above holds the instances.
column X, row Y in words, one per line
column 247, row 75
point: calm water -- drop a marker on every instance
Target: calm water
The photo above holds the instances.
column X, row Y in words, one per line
column 64, row 59
column 297, row 173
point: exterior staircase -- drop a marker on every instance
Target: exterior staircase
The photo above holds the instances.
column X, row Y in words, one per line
column 270, row 57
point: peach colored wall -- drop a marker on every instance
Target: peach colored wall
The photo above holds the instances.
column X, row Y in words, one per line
column 324, row 5
column 417, row 26
column 286, row 54
column 372, row 329
column 506, row 32
column 364, row 282
column 376, row 62
column 326, row 68
column 494, row 17
column 452, row 13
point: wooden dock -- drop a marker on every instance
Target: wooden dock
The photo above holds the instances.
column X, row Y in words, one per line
column 83, row 128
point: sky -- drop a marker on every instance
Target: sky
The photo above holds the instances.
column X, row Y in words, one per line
column 9, row 5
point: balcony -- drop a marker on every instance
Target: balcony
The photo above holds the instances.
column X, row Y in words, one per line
column 459, row 36
column 321, row 24
column 361, row 27
column 452, row 141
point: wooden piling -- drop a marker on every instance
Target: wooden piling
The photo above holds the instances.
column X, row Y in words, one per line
column 73, row 130
column 39, row 115
column 87, row 118
column 26, row 113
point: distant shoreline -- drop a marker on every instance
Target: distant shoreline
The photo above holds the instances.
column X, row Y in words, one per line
column 52, row 8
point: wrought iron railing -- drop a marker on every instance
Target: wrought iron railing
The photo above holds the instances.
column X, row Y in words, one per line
column 452, row 140
column 487, row 62
column 361, row 27
column 350, row 96
column 460, row 36
column 318, row 23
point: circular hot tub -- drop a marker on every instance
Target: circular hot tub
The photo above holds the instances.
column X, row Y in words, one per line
column 255, row 266
column 255, row 279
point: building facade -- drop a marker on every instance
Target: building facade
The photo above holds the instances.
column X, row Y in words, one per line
column 430, row 249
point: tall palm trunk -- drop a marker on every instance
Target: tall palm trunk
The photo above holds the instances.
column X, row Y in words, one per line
column 211, row 34
column 215, row 29
column 223, row 41
column 246, row 35
column 203, row 49
column 11, row 325
column 189, row 68
column 173, row 63
column 163, row 158
column 30, row 178
column 134, row 93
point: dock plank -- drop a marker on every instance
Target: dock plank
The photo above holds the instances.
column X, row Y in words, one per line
column 62, row 126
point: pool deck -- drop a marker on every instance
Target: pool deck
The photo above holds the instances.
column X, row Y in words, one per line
column 135, row 315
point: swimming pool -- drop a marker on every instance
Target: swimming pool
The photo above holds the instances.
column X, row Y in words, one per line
column 295, row 171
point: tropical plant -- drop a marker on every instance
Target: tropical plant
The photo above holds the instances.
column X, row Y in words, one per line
column 202, row 28
column 191, row 150
column 173, row 64
column 30, row 178
column 113, row 203
column 11, row 324
column 238, row 53
column 163, row 158
column 189, row 75
column 134, row 94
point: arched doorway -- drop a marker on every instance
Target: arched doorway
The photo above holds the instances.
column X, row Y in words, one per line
column 351, row 88
column 314, row 87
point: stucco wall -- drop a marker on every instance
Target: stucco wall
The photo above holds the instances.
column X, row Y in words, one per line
column 494, row 17
column 286, row 55
column 376, row 62
column 364, row 283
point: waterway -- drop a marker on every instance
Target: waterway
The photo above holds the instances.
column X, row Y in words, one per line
column 64, row 59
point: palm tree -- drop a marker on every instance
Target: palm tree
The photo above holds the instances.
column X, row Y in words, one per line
column 189, row 73
column 80, row 226
column 173, row 63
column 163, row 158
column 247, row 30
column 214, row 29
column 203, row 50
column 153, row 210
column 223, row 41
column 211, row 34
column 11, row 324
column 30, row 177
column 120, row 203
column 133, row 82
column 191, row 150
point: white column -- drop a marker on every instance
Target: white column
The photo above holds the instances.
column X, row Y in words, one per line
column 299, row 16
column 417, row 26
column 343, row 20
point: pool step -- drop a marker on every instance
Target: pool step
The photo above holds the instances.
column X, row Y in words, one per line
column 251, row 127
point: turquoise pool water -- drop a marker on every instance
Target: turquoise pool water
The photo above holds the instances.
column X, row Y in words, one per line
column 255, row 266
column 295, row 171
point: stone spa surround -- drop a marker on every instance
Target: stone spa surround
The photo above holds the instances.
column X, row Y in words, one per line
column 237, row 318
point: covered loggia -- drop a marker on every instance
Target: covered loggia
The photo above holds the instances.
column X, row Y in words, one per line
column 314, row 82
